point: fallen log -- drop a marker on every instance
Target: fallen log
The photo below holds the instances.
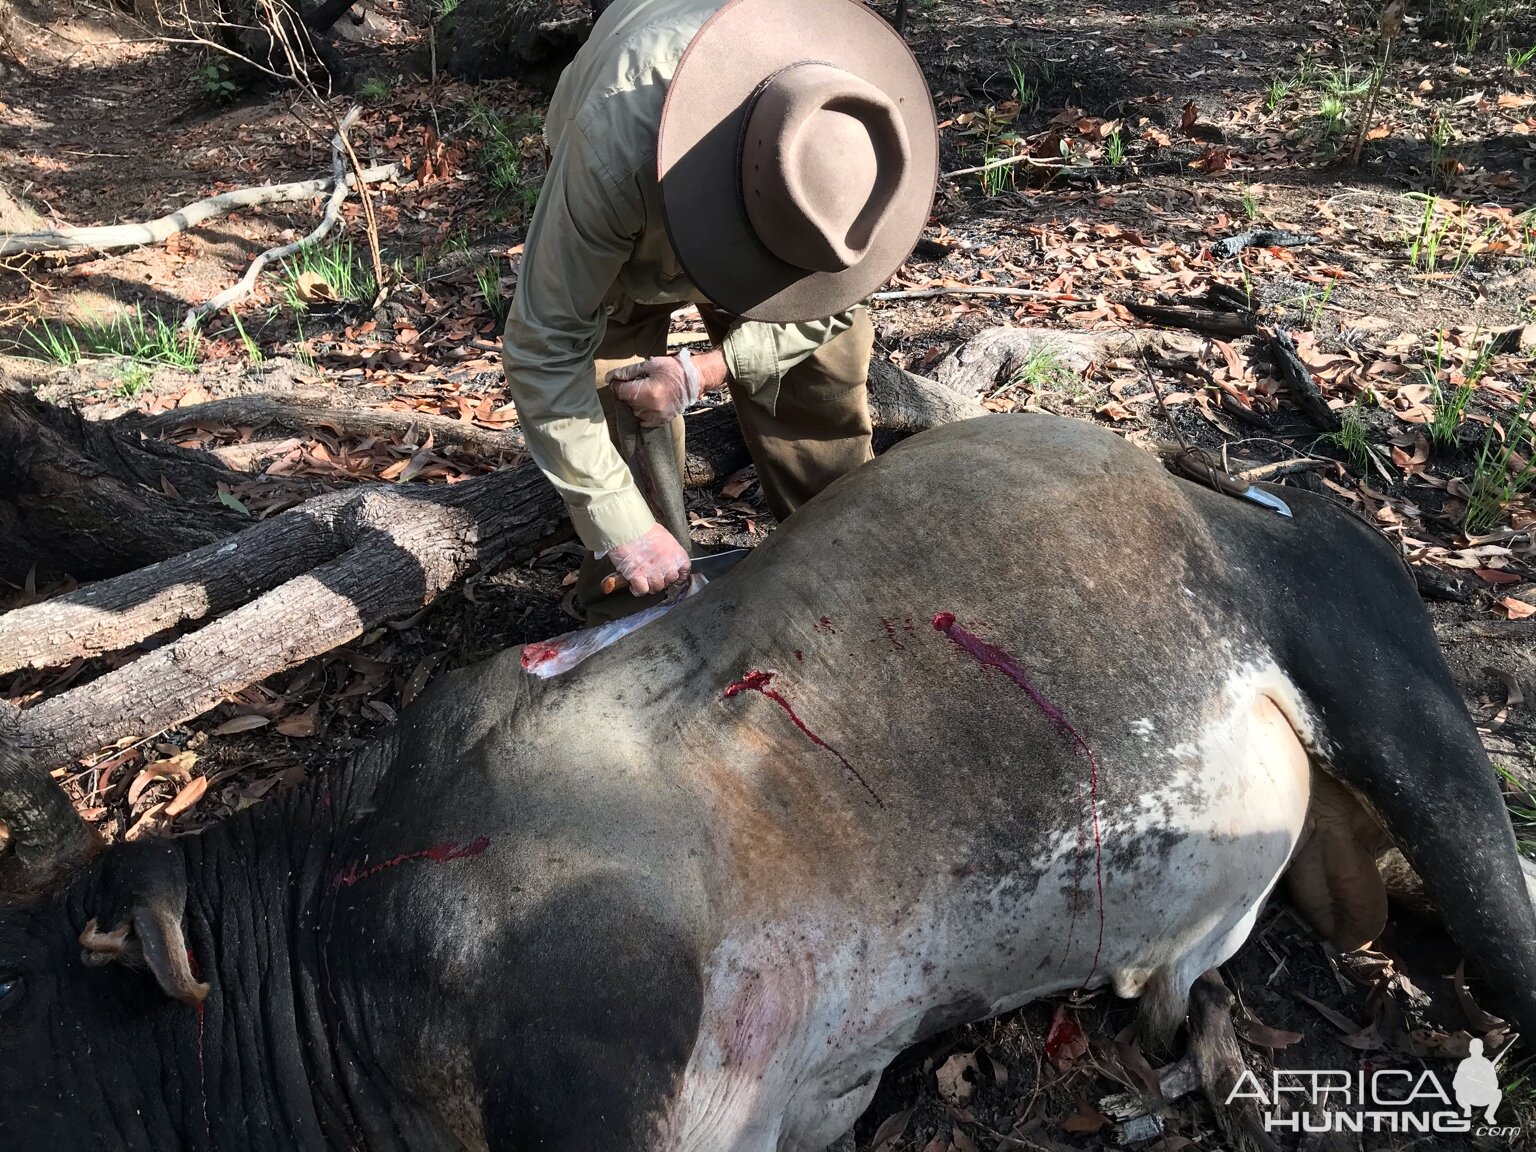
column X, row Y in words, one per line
column 72, row 510
column 298, row 412
column 320, row 575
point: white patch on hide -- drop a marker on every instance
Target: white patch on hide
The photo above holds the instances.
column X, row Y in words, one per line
column 799, row 1018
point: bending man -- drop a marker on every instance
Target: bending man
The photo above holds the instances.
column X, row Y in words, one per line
column 771, row 161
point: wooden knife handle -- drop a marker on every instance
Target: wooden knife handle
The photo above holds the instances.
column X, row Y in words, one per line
column 613, row 583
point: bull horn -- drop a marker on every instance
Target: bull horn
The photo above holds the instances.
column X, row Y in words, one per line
column 47, row 836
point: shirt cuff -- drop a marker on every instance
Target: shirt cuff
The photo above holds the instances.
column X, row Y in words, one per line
column 612, row 519
column 752, row 359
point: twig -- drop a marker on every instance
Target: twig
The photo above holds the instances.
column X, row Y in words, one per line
column 368, row 217
column 1007, row 162
column 328, row 220
column 1283, row 468
column 112, row 236
column 977, row 290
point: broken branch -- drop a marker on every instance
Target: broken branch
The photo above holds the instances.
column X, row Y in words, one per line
column 1305, row 393
column 114, row 236
column 339, row 188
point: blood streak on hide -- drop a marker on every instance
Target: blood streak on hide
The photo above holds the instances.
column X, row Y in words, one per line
column 991, row 656
column 759, row 682
column 202, row 1062
column 437, row 854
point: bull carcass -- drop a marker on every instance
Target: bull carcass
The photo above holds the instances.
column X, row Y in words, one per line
column 1006, row 713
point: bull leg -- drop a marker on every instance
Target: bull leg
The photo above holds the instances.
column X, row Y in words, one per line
column 587, row 1048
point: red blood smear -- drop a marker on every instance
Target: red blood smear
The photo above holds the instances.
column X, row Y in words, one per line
column 991, row 656
column 799, row 655
column 1065, row 1042
column 890, row 634
column 536, row 654
column 825, row 625
column 437, row 854
column 202, row 1064
column 759, row 682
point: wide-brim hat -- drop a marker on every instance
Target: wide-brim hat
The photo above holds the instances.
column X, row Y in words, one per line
column 797, row 157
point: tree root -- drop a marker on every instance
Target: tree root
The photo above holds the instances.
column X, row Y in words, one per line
column 321, row 575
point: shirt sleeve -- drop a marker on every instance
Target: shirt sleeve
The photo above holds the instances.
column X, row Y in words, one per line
column 758, row 354
column 582, row 232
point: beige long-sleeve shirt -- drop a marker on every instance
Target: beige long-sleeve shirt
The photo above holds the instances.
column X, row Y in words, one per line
column 597, row 237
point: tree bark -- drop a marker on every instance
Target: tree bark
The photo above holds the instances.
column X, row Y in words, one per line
column 301, row 411
column 84, row 515
column 320, row 575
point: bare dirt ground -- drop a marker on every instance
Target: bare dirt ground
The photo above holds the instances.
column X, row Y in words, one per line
column 1139, row 137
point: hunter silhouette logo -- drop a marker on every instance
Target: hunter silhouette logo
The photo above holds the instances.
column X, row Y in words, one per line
column 1383, row 1100
column 1477, row 1082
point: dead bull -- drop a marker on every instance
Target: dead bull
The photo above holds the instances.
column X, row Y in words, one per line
column 1008, row 712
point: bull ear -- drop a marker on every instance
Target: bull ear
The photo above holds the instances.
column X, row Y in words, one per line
column 140, row 899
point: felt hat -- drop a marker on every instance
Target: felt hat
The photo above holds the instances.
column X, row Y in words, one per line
column 797, row 157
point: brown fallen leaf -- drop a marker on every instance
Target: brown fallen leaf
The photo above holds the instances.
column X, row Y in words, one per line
column 1517, row 609
column 961, row 1142
column 190, row 794
column 301, row 725
column 1087, row 1119
column 178, row 766
column 1064, row 1042
column 311, row 287
column 421, row 674
column 1337, row 1019
column 152, row 823
column 250, row 724
column 955, row 1085
column 1480, row 1021
column 1255, row 1031
column 891, row 1129
column 738, row 482
column 1497, row 576
column 1131, row 1058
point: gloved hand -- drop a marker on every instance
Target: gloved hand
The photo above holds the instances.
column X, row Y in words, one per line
column 658, row 390
column 651, row 562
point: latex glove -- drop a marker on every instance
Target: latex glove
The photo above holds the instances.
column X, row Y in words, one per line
column 658, row 390
column 651, row 562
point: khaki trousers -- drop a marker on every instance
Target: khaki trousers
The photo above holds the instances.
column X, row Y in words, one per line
column 818, row 430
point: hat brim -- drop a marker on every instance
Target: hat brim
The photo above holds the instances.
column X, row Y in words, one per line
column 699, row 170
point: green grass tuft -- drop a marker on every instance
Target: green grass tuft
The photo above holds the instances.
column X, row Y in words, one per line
column 1352, row 438
column 345, row 272
column 1504, row 470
